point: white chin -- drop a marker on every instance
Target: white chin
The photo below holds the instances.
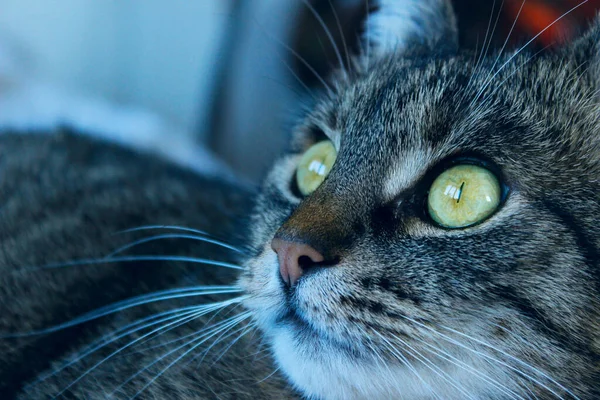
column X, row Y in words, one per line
column 324, row 371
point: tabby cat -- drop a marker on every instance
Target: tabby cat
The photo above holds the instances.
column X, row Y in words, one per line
column 431, row 234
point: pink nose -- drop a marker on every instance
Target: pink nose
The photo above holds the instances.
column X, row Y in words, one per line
column 294, row 258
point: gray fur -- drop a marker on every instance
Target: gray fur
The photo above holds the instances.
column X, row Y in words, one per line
column 523, row 285
column 64, row 198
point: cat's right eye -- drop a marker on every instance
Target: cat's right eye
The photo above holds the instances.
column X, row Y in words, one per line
column 314, row 166
column 464, row 195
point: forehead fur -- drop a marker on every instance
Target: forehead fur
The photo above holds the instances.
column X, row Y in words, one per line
column 528, row 114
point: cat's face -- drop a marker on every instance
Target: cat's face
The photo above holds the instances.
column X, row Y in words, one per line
column 406, row 299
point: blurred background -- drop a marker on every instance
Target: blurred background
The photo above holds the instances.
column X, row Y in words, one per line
column 215, row 85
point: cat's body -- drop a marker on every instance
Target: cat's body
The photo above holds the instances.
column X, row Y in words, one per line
column 64, row 198
column 356, row 284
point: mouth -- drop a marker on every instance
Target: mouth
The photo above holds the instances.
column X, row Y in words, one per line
column 291, row 317
column 289, row 314
column 305, row 332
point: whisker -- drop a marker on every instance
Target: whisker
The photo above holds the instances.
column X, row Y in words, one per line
column 94, row 261
column 530, row 392
column 502, row 83
column 233, row 342
column 153, row 298
column 483, row 46
column 299, row 94
column 173, row 236
column 404, row 361
column 165, row 344
column 206, row 333
column 268, row 376
column 488, row 82
column 512, row 358
column 169, row 227
column 133, row 302
column 379, row 359
column 114, row 336
column 223, row 335
column 339, row 26
column 206, row 323
column 438, row 352
column 509, row 35
column 484, row 49
column 489, row 43
column 327, row 32
column 491, row 358
column 240, row 318
column 297, row 78
column 114, row 353
column 298, row 56
column 435, row 369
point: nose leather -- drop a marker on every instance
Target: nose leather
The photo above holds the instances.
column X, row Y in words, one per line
column 290, row 255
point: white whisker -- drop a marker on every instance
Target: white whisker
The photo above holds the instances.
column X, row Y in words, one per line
column 440, row 353
column 94, row 261
column 168, row 227
column 404, row 361
column 502, row 83
column 435, row 369
column 339, row 26
column 490, row 80
column 379, row 358
column 327, row 32
column 508, row 36
column 240, row 318
column 115, row 353
column 114, row 336
column 514, row 359
column 297, row 78
column 182, row 338
column 244, row 330
column 173, row 236
column 298, row 56
column 134, row 302
column 491, row 358
column 268, row 376
column 484, row 45
column 165, row 344
column 205, row 334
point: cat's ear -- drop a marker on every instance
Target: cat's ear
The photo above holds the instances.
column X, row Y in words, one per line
column 399, row 26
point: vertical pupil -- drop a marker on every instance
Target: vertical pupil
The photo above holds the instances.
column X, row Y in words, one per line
column 460, row 190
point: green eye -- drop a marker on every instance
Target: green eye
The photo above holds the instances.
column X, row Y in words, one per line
column 315, row 166
column 463, row 195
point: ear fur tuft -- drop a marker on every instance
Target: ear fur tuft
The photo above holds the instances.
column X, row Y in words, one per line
column 408, row 25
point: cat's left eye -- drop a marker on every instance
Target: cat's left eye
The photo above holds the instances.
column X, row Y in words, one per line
column 464, row 195
column 314, row 166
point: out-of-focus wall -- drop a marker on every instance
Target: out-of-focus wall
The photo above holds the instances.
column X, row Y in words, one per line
column 258, row 99
column 161, row 55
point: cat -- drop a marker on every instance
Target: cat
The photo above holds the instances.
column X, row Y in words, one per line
column 431, row 233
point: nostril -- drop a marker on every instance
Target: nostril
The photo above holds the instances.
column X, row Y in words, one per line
column 305, row 262
column 295, row 259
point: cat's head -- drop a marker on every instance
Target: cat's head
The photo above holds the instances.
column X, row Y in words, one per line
column 433, row 231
